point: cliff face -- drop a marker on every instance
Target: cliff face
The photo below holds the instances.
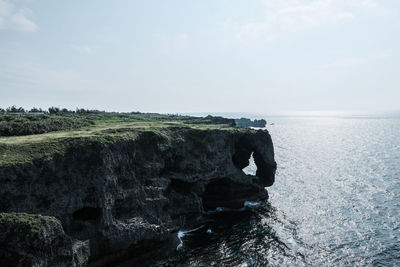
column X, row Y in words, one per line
column 35, row 240
column 117, row 199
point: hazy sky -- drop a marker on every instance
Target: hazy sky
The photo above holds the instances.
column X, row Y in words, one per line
column 205, row 55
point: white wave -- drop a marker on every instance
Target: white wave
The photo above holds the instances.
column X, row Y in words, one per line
column 251, row 204
column 246, row 204
column 181, row 234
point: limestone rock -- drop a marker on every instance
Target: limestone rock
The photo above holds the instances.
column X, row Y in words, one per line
column 35, row 240
column 127, row 199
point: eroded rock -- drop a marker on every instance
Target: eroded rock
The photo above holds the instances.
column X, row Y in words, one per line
column 119, row 197
column 34, row 240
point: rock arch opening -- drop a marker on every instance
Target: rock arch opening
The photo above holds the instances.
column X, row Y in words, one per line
column 251, row 169
column 243, row 158
column 249, row 150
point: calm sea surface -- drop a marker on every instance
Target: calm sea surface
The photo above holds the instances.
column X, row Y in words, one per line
column 336, row 201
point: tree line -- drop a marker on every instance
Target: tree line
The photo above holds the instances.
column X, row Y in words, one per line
column 50, row 110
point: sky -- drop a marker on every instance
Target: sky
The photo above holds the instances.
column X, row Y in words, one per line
column 201, row 56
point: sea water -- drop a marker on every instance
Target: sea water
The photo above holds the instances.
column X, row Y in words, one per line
column 336, row 201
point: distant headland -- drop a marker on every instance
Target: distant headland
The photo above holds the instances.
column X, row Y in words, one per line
column 244, row 122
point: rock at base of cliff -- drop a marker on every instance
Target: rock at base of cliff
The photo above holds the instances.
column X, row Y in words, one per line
column 35, row 240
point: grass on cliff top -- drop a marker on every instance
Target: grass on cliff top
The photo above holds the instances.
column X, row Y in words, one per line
column 22, row 124
column 32, row 221
column 74, row 124
column 106, row 127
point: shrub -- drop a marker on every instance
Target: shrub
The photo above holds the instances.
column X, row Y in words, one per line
column 25, row 124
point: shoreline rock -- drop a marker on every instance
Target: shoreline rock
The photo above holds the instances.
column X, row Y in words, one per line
column 35, row 240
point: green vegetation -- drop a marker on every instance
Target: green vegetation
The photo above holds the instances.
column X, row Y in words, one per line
column 28, row 136
column 24, row 152
column 13, row 125
column 31, row 221
column 17, row 121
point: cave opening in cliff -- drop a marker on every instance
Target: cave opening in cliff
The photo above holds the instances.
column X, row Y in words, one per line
column 86, row 214
column 225, row 193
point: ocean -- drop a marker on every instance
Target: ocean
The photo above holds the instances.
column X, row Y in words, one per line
column 335, row 201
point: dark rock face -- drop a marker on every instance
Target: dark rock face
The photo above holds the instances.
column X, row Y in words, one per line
column 124, row 197
column 244, row 122
column 34, row 240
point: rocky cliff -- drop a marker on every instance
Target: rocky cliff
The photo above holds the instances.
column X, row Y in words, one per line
column 244, row 122
column 110, row 201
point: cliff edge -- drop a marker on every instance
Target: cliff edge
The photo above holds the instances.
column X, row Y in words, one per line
column 124, row 195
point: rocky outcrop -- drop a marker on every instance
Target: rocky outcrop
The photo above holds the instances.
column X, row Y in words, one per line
column 118, row 199
column 244, row 122
column 34, row 240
